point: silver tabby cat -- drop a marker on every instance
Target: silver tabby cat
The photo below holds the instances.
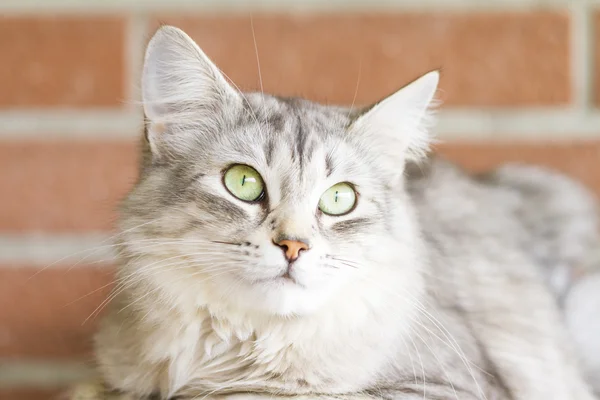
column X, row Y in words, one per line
column 275, row 247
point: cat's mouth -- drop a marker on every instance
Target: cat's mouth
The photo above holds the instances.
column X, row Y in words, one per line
column 287, row 277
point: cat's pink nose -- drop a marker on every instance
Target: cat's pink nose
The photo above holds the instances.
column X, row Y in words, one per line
column 292, row 248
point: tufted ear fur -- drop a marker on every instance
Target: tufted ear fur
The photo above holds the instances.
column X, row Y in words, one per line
column 182, row 90
column 396, row 128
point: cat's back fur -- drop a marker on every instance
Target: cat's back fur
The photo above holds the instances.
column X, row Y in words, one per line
column 551, row 217
column 545, row 219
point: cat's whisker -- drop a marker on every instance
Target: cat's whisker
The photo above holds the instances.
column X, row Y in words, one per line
column 127, row 283
column 421, row 362
column 408, row 352
column 345, row 260
column 83, row 251
column 449, row 341
column 225, row 243
column 103, row 304
column 262, row 90
column 361, row 265
column 193, row 258
column 154, row 242
column 185, row 264
column 433, row 353
column 124, row 278
column 348, row 265
column 111, row 283
column 217, row 267
column 178, row 280
column 356, row 89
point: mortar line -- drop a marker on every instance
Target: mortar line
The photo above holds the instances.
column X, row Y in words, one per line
column 535, row 123
column 108, row 6
column 581, row 59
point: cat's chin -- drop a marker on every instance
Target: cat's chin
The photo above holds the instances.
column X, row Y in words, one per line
column 280, row 295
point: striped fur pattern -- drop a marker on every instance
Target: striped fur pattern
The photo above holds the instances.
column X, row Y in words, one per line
column 427, row 289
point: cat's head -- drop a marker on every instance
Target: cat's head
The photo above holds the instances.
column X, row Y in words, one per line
column 265, row 203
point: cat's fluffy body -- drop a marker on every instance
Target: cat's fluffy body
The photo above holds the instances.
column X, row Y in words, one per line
column 430, row 288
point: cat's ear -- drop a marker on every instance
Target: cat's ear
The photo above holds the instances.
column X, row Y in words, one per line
column 396, row 128
column 181, row 85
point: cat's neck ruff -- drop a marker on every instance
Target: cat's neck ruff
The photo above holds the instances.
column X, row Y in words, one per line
column 349, row 309
column 368, row 321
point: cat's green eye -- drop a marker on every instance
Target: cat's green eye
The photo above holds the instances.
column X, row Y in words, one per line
column 244, row 183
column 338, row 199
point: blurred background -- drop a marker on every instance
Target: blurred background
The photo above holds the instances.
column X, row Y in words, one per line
column 519, row 83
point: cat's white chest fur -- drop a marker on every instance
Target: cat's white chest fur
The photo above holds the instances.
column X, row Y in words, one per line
column 210, row 352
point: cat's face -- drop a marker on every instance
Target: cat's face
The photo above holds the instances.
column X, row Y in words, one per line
column 268, row 204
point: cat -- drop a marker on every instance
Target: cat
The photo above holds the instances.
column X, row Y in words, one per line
column 279, row 248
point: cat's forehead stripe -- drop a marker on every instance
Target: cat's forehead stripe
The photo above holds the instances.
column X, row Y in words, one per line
column 328, row 164
column 300, row 139
column 276, row 121
column 269, row 148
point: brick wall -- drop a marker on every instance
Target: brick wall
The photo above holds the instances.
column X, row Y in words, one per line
column 519, row 83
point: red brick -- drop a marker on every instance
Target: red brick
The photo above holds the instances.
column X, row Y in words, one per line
column 578, row 160
column 487, row 59
column 61, row 61
column 63, row 186
column 42, row 316
column 31, row 394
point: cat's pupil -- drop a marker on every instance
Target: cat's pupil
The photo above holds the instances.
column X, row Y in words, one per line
column 243, row 180
column 336, row 196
